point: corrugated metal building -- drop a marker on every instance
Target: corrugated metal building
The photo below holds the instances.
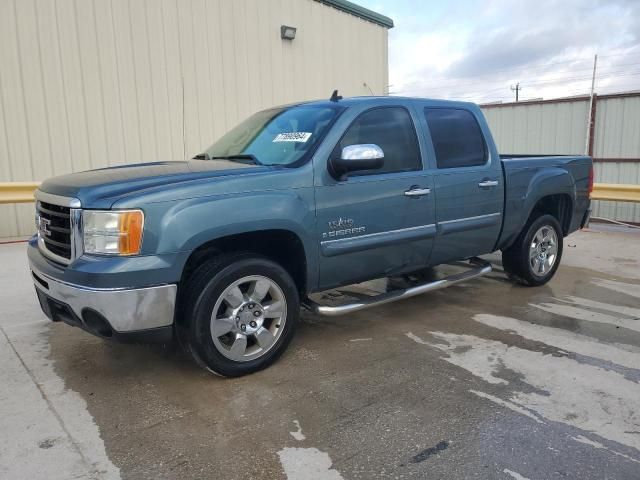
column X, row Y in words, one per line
column 560, row 126
column 90, row 83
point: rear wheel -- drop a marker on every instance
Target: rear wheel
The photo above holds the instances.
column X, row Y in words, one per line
column 534, row 257
column 240, row 313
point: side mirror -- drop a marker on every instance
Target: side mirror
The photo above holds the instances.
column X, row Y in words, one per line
column 366, row 156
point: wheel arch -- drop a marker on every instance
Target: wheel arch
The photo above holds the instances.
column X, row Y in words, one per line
column 558, row 205
column 551, row 191
column 282, row 246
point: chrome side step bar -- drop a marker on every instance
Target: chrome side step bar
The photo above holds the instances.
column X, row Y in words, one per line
column 481, row 267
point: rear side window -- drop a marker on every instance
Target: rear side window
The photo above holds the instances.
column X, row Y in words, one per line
column 456, row 138
column 391, row 128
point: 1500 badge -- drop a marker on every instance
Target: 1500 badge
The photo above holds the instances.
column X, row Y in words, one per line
column 342, row 227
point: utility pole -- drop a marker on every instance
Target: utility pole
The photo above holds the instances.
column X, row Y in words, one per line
column 516, row 89
column 590, row 115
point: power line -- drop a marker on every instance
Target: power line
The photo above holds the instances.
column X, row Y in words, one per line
column 493, row 72
column 609, row 76
column 580, row 79
column 489, row 95
column 454, row 80
column 546, row 82
column 620, row 54
column 451, row 92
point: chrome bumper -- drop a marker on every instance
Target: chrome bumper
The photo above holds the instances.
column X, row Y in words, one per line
column 126, row 310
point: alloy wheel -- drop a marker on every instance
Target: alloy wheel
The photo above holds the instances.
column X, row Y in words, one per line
column 248, row 318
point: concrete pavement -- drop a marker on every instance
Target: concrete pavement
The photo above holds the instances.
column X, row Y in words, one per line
column 482, row 380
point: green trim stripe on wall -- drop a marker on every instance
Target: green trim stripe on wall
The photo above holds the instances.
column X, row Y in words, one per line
column 359, row 11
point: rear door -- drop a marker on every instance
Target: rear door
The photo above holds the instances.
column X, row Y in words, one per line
column 377, row 222
column 468, row 185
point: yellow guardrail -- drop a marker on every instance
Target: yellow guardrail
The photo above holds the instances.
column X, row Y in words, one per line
column 22, row 192
column 616, row 192
column 17, row 192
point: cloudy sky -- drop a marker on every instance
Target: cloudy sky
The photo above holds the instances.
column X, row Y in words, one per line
column 477, row 49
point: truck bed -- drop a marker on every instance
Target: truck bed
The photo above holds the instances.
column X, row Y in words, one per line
column 508, row 156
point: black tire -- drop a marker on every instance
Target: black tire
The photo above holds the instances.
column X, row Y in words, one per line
column 204, row 288
column 516, row 259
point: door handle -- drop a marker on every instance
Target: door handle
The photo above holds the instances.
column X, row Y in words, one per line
column 417, row 192
column 488, row 183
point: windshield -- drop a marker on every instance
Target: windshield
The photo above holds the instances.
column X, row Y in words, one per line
column 279, row 136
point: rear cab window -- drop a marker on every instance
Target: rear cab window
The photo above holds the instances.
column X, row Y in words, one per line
column 392, row 129
column 457, row 138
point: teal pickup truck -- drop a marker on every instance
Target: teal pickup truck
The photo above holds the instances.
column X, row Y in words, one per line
column 223, row 250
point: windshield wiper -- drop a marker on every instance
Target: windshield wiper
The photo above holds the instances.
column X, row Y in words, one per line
column 241, row 157
column 202, row 156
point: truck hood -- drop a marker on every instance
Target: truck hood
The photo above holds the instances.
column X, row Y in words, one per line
column 102, row 187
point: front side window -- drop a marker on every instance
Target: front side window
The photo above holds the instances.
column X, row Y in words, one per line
column 392, row 130
column 456, row 136
column 279, row 136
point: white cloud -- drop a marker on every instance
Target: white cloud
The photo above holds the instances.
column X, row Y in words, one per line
column 476, row 50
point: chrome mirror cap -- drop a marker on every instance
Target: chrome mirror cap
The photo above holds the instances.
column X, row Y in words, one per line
column 365, row 151
column 366, row 156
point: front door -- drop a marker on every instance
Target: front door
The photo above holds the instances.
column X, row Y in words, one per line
column 377, row 222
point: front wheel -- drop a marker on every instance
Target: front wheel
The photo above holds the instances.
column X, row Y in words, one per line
column 534, row 257
column 240, row 313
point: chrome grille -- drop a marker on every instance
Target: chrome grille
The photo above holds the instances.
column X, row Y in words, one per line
column 54, row 228
column 59, row 227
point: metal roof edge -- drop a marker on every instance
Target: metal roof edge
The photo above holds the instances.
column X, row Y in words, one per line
column 359, row 11
column 577, row 98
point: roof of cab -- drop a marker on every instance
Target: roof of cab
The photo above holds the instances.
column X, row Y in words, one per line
column 382, row 100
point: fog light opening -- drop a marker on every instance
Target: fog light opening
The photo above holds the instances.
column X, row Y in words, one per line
column 96, row 323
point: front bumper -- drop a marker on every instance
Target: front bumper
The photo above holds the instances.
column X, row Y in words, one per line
column 126, row 314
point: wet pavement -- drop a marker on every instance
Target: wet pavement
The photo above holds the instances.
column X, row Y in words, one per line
column 485, row 379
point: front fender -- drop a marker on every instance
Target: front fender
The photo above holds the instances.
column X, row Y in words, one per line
column 187, row 224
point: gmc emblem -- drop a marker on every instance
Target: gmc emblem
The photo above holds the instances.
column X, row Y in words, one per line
column 44, row 226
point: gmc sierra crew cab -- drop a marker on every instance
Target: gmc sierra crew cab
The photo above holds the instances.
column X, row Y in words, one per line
column 222, row 251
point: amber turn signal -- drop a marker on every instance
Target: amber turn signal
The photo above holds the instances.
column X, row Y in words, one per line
column 131, row 224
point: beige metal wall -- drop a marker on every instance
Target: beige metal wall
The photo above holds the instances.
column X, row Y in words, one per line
column 90, row 83
column 560, row 127
column 539, row 128
column 617, row 135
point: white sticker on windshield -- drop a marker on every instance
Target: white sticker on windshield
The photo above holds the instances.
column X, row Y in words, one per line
column 301, row 137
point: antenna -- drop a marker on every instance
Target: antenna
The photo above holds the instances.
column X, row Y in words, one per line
column 335, row 97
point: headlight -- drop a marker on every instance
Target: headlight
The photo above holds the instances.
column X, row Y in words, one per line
column 113, row 232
